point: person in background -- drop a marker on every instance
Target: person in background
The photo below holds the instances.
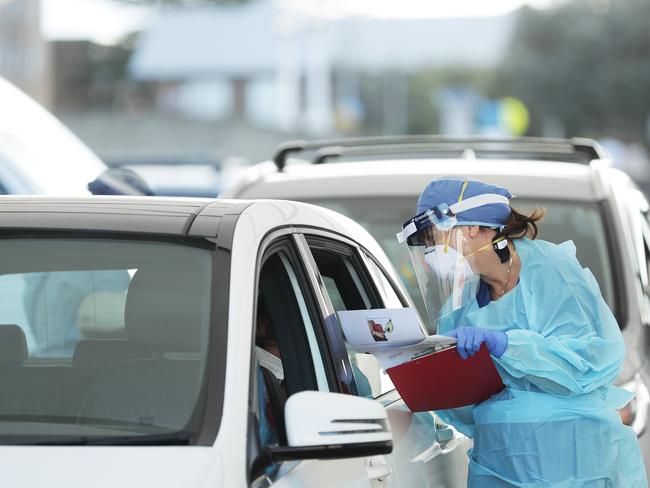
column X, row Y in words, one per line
column 266, row 345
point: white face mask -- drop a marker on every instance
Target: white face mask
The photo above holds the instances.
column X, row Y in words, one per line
column 443, row 264
column 270, row 362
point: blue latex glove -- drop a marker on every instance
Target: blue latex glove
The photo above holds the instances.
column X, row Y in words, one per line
column 471, row 338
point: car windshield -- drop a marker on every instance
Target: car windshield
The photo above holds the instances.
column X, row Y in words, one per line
column 101, row 339
column 581, row 222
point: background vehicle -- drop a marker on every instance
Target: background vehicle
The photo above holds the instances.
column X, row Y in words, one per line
column 153, row 346
column 38, row 154
column 376, row 181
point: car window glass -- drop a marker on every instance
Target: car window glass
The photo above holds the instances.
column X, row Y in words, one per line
column 386, row 290
column 98, row 335
column 270, row 396
column 347, row 291
column 286, row 353
column 285, row 345
column 308, row 326
column 58, row 309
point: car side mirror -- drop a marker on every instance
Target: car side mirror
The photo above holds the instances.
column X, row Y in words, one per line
column 323, row 425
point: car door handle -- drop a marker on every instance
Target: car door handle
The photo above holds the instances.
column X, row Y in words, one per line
column 444, row 434
column 378, row 471
column 447, row 439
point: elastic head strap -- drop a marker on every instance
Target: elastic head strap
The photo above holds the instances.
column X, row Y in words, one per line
column 479, row 201
column 456, row 208
column 462, row 190
column 498, row 244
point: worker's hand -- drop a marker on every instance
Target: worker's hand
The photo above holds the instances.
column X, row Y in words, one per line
column 471, row 338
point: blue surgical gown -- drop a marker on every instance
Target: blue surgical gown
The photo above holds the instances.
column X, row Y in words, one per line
column 556, row 422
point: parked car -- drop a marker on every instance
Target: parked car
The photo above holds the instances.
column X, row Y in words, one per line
column 38, row 154
column 376, row 181
column 151, row 360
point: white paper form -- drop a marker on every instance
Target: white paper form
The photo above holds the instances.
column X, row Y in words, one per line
column 392, row 335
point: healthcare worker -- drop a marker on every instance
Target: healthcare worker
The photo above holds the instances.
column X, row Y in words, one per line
column 556, row 344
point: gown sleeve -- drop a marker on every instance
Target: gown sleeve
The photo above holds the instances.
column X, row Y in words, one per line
column 572, row 344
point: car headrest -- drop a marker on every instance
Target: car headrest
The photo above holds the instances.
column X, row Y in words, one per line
column 166, row 309
column 13, row 346
column 101, row 315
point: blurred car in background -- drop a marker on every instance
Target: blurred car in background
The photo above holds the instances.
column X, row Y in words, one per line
column 196, row 175
column 186, row 180
column 38, row 154
column 376, row 181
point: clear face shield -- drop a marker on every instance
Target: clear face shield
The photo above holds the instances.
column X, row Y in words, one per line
column 442, row 260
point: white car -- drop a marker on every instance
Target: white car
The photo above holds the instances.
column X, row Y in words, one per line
column 169, row 342
column 38, row 154
column 376, row 181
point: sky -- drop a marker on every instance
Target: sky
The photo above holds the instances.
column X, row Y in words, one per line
column 107, row 21
column 415, row 8
column 102, row 21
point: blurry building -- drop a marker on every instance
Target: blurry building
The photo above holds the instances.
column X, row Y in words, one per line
column 268, row 66
column 24, row 55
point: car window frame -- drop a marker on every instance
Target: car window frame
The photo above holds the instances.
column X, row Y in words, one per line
column 333, row 242
column 284, row 241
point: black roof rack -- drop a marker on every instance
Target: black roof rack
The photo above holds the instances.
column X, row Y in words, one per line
column 579, row 150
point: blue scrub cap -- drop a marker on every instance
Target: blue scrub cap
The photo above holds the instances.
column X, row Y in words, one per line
column 448, row 191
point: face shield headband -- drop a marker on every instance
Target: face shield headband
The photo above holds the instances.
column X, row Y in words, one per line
column 443, row 217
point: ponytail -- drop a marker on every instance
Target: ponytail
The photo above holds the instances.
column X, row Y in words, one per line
column 521, row 225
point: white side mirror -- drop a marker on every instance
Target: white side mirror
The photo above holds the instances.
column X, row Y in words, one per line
column 315, row 418
column 323, row 425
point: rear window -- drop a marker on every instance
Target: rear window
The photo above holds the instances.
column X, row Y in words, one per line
column 101, row 338
column 582, row 222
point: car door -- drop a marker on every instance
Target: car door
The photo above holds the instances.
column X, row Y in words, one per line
column 288, row 357
column 426, row 451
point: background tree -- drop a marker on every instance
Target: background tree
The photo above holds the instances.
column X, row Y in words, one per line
column 585, row 63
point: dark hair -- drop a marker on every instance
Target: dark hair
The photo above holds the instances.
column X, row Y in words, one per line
column 521, row 225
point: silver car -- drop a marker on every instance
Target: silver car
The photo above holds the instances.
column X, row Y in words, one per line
column 376, row 181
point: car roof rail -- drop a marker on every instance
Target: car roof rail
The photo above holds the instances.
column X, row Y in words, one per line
column 578, row 150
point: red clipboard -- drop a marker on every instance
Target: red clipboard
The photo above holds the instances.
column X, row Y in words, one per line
column 443, row 379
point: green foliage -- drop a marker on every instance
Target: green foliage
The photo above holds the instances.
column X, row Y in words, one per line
column 423, row 86
column 586, row 63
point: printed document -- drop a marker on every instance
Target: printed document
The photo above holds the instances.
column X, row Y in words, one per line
column 393, row 335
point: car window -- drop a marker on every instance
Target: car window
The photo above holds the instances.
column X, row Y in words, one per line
column 102, row 338
column 349, row 289
column 286, row 353
column 285, row 345
column 58, row 309
column 582, row 222
column 386, row 290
